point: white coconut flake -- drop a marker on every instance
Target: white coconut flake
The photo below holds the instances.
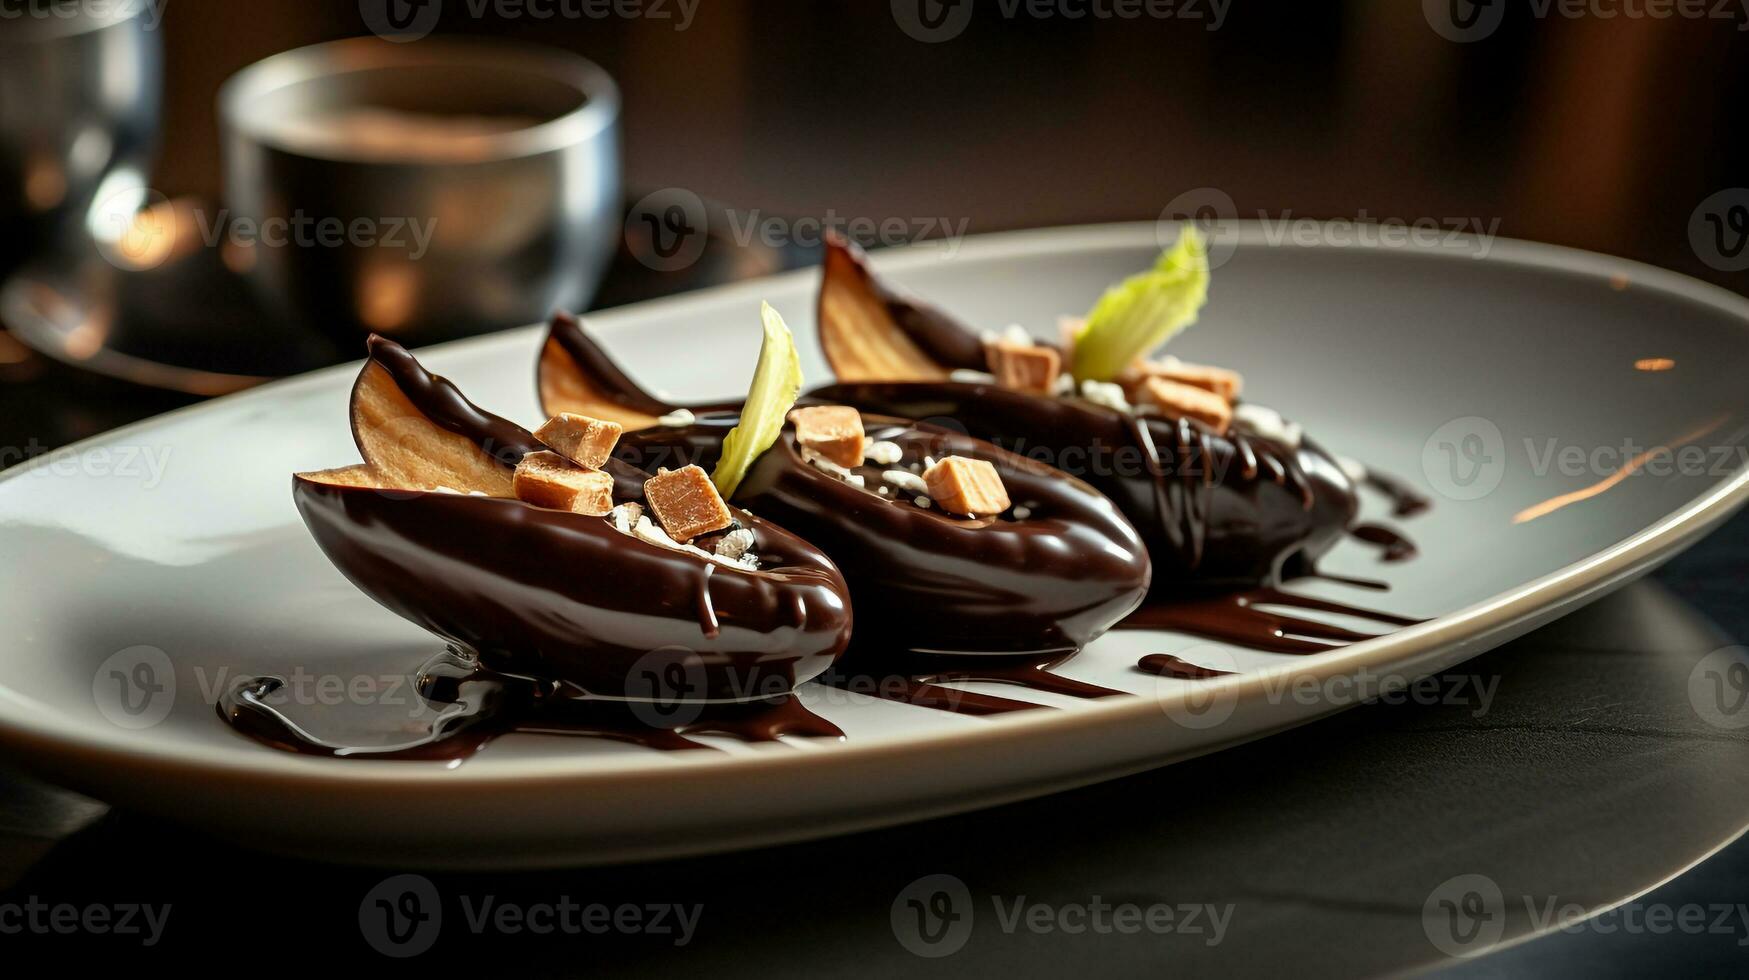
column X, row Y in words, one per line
column 1065, row 385
column 905, row 480
column 923, row 502
column 825, row 465
column 626, row 516
column 1022, row 513
column 1105, row 393
column 735, row 544
column 1267, row 423
column 1352, row 468
column 883, row 453
column 677, row 419
column 965, row 376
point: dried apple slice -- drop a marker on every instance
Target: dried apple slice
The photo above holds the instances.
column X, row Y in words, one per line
column 870, row 333
column 576, row 376
column 418, row 432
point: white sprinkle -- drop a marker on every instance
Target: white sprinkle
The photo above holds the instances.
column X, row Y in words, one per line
column 1105, row 393
column 905, row 480
column 1352, row 468
column 626, row 516
column 929, row 462
column 968, row 377
column 923, row 502
column 646, row 530
column 679, row 418
column 1014, row 334
column 886, row 492
column 883, row 453
column 827, row 466
column 1267, row 423
column 1022, row 513
column 735, row 544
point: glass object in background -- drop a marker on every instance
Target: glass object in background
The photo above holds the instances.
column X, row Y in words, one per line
column 425, row 191
column 79, row 106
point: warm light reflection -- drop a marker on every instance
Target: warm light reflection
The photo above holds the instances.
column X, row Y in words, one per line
column 1654, row 364
column 387, row 297
column 1632, row 466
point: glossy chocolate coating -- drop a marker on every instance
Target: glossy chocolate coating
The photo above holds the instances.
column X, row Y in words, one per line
column 567, row 597
column 929, row 582
column 1218, row 511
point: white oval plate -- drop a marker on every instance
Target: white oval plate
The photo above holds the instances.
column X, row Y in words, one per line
column 152, row 563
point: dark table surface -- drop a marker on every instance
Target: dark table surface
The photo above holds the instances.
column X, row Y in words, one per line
column 1588, row 778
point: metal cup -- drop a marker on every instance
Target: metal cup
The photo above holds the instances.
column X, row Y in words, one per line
column 79, row 106
column 423, row 190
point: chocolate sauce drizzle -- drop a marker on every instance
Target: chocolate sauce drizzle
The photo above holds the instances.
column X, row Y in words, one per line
column 1166, row 665
column 471, row 706
column 1236, row 618
column 1393, row 545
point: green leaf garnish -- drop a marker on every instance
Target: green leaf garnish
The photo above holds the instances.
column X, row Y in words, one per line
column 1144, row 311
column 777, row 382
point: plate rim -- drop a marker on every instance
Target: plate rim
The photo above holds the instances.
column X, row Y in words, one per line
column 26, row 722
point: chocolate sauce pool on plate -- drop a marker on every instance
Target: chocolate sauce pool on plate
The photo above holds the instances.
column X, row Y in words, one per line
column 457, row 708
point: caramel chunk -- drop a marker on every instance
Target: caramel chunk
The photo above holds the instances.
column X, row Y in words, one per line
column 1218, row 380
column 1178, row 400
column 686, row 503
column 833, row 431
column 550, row 480
column 582, row 440
column 966, row 486
column 1024, row 367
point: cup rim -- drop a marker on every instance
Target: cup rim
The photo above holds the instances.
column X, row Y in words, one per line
column 86, row 22
column 598, row 112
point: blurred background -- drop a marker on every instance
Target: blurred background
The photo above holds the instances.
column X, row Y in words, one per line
column 1580, row 125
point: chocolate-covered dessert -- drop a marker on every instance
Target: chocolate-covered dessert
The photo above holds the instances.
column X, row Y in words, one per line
column 540, row 566
column 950, row 544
